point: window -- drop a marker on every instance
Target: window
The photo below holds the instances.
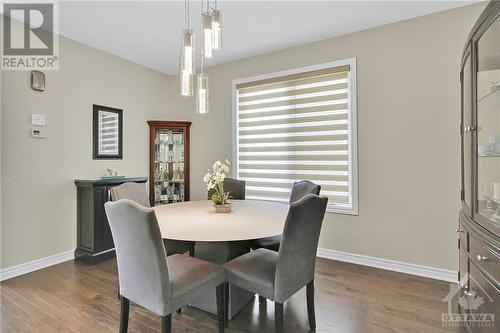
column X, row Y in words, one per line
column 298, row 124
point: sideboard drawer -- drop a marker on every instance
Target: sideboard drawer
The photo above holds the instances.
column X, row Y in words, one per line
column 485, row 258
column 483, row 299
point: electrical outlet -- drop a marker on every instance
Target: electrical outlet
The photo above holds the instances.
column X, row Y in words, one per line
column 38, row 133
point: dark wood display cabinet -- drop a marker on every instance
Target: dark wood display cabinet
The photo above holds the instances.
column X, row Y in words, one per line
column 478, row 298
column 168, row 161
column 94, row 241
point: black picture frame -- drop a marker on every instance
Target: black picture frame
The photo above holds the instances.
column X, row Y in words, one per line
column 95, row 130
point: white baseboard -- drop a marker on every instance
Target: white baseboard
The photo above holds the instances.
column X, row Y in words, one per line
column 390, row 265
column 31, row 266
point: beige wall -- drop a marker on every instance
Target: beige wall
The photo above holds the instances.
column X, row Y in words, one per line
column 39, row 196
column 408, row 118
column 408, row 121
column 38, row 193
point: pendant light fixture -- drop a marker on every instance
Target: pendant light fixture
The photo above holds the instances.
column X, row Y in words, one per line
column 186, row 61
column 206, row 28
column 202, row 91
column 216, row 28
column 210, row 40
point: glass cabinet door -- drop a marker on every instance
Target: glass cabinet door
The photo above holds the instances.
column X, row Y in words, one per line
column 488, row 124
column 467, row 133
column 169, row 166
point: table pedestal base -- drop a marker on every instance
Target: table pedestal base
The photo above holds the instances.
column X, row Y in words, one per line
column 220, row 253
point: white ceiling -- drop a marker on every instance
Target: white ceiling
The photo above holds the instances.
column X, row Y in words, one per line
column 148, row 33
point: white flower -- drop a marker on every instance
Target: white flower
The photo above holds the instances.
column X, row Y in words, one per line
column 216, row 165
column 210, row 185
column 218, row 177
column 227, row 162
column 207, row 177
column 225, row 168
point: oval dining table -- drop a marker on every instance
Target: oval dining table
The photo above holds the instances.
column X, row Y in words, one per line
column 220, row 237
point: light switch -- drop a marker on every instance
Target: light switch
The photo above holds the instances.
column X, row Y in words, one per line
column 38, row 132
column 37, row 119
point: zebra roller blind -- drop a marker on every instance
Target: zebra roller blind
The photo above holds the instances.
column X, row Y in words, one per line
column 108, row 133
column 294, row 127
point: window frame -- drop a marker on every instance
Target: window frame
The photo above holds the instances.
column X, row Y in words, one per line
column 352, row 118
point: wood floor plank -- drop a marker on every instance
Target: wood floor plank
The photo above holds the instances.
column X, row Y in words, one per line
column 75, row 297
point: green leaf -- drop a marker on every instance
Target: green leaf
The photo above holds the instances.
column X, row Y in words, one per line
column 216, row 199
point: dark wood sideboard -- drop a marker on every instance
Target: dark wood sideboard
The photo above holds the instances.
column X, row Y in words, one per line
column 94, row 241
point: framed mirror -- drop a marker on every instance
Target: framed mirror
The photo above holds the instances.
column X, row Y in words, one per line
column 107, row 133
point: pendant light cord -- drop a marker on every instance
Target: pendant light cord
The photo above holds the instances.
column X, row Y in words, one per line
column 187, row 5
column 201, row 48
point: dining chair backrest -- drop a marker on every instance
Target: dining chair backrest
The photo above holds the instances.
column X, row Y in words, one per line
column 133, row 191
column 140, row 254
column 299, row 244
column 303, row 188
column 236, row 188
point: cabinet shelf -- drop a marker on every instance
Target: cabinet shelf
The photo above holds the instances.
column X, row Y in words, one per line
column 169, row 181
column 492, row 97
column 489, row 155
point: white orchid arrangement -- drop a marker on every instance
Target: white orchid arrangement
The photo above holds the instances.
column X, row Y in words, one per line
column 215, row 180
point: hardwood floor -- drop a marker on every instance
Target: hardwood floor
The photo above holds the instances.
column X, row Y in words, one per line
column 74, row 297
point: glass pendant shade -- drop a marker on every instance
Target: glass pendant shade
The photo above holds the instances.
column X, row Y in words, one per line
column 206, row 38
column 187, row 52
column 216, row 29
column 186, row 83
column 202, row 93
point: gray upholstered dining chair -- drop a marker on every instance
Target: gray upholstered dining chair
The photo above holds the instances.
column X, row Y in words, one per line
column 133, row 191
column 137, row 192
column 299, row 190
column 277, row 276
column 236, row 188
column 147, row 276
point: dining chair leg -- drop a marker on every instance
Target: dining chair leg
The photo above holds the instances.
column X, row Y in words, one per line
column 262, row 300
column 226, row 304
column 310, row 304
column 278, row 317
column 179, row 310
column 166, row 324
column 124, row 315
column 221, row 313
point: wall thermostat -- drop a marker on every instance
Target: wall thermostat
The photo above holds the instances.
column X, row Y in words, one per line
column 37, row 119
